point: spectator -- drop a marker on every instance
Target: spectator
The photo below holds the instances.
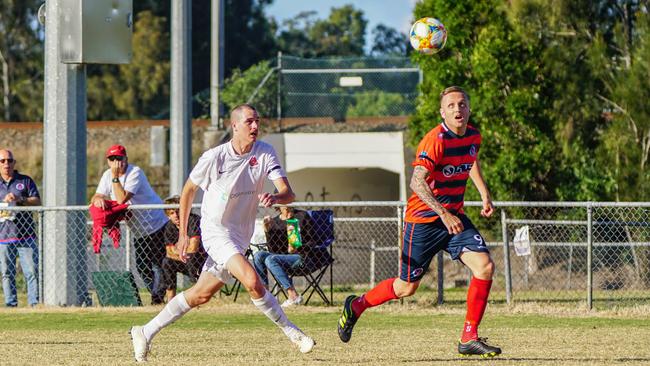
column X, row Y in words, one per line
column 126, row 183
column 281, row 256
column 172, row 263
column 17, row 236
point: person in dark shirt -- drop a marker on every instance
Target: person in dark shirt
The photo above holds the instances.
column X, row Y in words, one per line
column 280, row 255
column 172, row 263
column 17, row 234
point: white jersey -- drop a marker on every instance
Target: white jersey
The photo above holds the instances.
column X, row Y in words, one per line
column 231, row 185
column 142, row 222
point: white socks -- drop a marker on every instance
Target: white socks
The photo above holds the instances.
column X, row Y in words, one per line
column 271, row 308
column 174, row 309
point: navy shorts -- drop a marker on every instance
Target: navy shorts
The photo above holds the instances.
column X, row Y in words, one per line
column 423, row 241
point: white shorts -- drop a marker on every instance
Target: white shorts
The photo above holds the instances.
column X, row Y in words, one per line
column 220, row 248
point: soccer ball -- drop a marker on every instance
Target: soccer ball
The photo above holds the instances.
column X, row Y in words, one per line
column 428, row 35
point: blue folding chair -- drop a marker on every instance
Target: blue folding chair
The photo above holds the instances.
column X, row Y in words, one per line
column 320, row 259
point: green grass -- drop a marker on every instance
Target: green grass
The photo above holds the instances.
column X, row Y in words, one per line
column 226, row 333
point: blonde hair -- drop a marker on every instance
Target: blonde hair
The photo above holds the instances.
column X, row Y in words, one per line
column 453, row 89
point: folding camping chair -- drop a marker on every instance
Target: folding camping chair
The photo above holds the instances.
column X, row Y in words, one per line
column 320, row 259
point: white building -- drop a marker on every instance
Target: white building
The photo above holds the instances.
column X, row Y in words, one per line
column 344, row 166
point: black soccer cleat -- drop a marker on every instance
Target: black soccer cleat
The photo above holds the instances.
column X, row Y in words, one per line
column 347, row 320
column 478, row 347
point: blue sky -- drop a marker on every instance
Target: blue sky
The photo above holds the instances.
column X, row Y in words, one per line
column 394, row 13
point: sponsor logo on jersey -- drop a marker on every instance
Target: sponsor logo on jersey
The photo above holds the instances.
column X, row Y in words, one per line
column 20, row 186
column 416, row 272
column 239, row 194
column 451, row 170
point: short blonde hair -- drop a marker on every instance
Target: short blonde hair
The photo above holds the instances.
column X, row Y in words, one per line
column 238, row 109
column 453, row 89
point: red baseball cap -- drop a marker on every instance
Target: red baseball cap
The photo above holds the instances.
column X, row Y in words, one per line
column 116, row 150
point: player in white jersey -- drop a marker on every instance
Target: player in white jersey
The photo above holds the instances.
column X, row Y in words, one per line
column 231, row 176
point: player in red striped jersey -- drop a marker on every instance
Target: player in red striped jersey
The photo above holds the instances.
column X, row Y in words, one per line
column 446, row 157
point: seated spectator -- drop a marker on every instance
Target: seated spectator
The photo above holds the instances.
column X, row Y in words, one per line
column 172, row 263
column 280, row 255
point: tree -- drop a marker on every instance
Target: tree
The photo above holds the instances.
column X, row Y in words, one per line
column 241, row 85
column 486, row 56
column 294, row 38
column 341, row 34
column 21, row 61
column 625, row 147
column 389, row 42
column 249, row 35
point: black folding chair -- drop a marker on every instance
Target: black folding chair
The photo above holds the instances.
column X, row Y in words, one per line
column 318, row 261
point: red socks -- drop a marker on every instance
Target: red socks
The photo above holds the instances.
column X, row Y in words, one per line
column 477, row 296
column 378, row 295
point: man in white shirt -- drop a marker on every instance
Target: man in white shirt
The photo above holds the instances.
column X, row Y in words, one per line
column 231, row 177
column 126, row 183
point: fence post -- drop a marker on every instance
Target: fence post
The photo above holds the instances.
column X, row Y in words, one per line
column 373, row 248
column 400, row 233
column 41, row 256
column 128, row 248
column 590, row 247
column 506, row 257
column 279, row 96
column 441, row 278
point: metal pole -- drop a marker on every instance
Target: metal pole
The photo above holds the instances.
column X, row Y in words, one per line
column 180, row 120
column 506, row 257
column 400, row 240
column 279, row 96
column 128, row 248
column 41, row 255
column 216, row 62
column 64, row 168
column 590, row 247
column 441, row 278
column 372, row 263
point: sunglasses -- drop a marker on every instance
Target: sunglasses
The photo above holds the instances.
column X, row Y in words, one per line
column 116, row 157
column 2, row 161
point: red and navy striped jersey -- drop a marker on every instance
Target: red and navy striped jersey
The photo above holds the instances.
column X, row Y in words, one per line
column 448, row 158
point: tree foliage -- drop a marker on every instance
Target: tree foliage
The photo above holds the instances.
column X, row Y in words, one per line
column 242, row 84
column 341, row 34
column 388, row 41
column 21, row 61
column 486, row 57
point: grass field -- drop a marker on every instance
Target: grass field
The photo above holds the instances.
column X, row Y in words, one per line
column 223, row 333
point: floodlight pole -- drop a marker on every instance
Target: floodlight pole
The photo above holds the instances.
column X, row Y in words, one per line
column 64, row 171
column 180, row 119
column 216, row 131
column 216, row 62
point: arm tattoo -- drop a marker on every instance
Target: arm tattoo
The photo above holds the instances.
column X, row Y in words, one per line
column 421, row 188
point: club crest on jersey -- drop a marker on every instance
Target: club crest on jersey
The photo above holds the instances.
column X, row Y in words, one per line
column 253, row 161
column 451, row 170
column 472, row 150
column 20, row 186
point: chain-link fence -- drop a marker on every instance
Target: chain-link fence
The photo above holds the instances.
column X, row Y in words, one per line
column 579, row 253
column 347, row 87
